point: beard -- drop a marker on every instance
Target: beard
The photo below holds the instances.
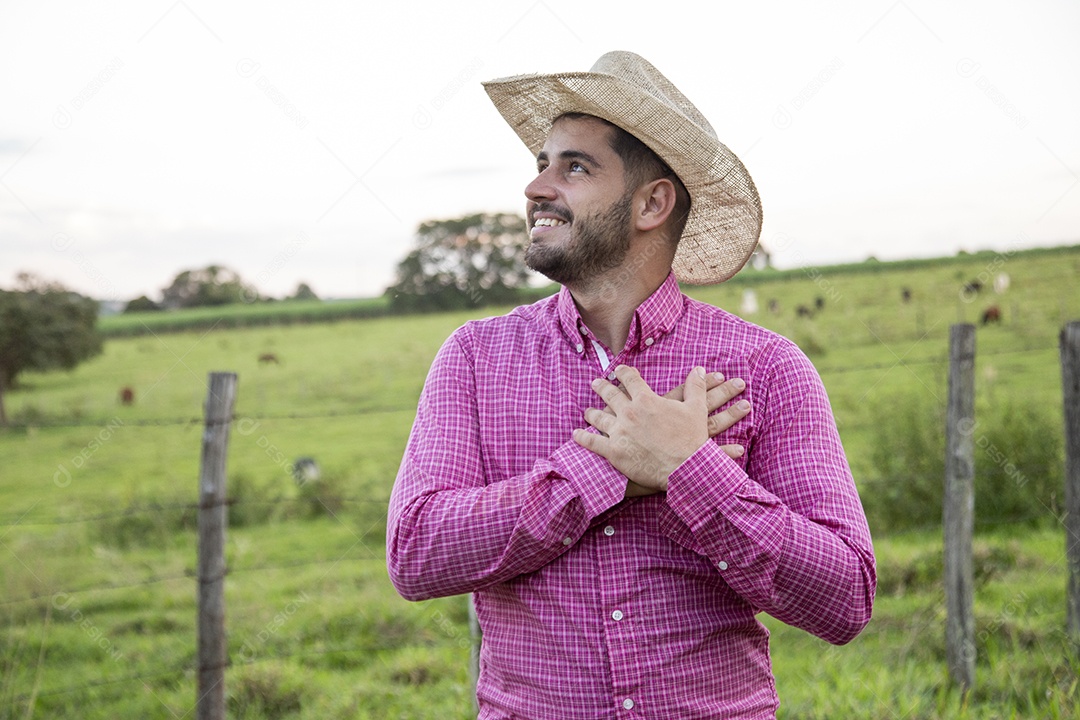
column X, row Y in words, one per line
column 597, row 244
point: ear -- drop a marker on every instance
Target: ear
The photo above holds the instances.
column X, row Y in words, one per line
column 655, row 202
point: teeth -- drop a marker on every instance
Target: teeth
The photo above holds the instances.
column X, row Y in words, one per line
column 548, row 222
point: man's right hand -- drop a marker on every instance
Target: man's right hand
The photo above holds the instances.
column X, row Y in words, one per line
column 719, row 392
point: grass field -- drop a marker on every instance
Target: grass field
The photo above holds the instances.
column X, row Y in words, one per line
column 97, row 597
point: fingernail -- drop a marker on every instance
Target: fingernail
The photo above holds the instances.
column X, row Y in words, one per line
column 700, row 372
column 718, row 377
column 743, row 405
column 739, row 450
column 738, row 383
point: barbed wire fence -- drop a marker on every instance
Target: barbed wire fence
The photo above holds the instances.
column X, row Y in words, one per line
column 54, row 596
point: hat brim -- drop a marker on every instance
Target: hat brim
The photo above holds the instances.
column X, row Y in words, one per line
column 724, row 223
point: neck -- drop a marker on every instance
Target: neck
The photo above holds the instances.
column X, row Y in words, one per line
column 607, row 303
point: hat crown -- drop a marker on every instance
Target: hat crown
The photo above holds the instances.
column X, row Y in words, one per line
column 625, row 90
column 635, row 70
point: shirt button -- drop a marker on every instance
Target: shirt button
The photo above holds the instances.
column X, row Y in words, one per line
column 617, row 615
column 609, row 531
column 584, row 330
column 722, row 565
column 649, row 341
column 580, row 347
column 567, row 541
column 628, row 704
column 611, row 376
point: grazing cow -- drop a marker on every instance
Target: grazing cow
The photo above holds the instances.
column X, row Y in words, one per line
column 305, row 470
column 905, row 295
column 1001, row 283
column 972, row 287
column 803, row 311
column 819, row 302
column 127, row 396
column 991, row 314
column 268, row 358
column 774, row 306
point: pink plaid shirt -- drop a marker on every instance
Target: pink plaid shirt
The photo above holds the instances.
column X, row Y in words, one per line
column 593, row 606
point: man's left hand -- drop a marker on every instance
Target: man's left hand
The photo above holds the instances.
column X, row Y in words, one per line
column 645, row 436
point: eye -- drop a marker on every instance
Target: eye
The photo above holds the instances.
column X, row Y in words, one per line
column 576, row 167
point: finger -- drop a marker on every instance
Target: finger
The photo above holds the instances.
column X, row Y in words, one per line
column 694, row 388
column 589, row 441
column 718, row 395
column 712, row 381
column 607, row 408
column 602, row 421
column 613, row 396
column 721, row 421
column 733, row 451
column 632, row 381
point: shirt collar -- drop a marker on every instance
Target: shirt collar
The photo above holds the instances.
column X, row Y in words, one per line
column 655, row 317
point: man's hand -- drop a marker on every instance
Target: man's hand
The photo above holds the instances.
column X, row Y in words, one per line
column 719, row 393
column 646, row 436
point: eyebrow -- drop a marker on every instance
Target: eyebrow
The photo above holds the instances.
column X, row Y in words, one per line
column 571, row 155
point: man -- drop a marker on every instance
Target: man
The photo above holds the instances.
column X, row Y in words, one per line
column 618, row 542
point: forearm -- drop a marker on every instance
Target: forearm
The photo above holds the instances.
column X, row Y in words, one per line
column 447, row 536
column 814, row 571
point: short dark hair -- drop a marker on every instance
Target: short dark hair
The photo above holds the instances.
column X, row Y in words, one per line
column 642, row 165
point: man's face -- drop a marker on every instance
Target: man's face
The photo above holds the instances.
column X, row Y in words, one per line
column 579, row 205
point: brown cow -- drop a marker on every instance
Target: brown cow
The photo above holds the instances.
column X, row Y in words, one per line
column 268, row 358
column 991, row 314
column 127, row 396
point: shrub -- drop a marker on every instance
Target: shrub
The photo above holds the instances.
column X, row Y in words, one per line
column 1018, row 465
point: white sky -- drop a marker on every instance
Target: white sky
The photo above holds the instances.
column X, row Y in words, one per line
column 306, row 141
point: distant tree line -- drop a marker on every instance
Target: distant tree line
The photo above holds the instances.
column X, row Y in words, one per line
column 460, row 263
column 208, row 287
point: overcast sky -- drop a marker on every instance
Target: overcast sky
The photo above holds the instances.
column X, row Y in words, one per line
column 306, row 141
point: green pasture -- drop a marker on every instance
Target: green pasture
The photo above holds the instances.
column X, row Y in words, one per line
column 97, row 598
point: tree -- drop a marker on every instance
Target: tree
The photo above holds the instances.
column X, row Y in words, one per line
column 304, row 292
column 212, row 285
column 141, row 304
column 463, row 263
column 43, row 326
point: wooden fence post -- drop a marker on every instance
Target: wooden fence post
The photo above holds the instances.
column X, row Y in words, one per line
column 474, row 650
column 1070, row 390
column 959, row 510
column 210, row 698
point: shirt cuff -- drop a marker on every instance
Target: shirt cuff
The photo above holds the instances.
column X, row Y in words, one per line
column 596, row 481
column 703, row 483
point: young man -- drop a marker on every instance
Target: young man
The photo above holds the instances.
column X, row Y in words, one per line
column 620, row 542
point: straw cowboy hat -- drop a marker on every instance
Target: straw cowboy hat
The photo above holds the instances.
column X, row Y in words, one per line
column 624, row 89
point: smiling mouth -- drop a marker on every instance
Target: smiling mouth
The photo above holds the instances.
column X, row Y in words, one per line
column 548, row 222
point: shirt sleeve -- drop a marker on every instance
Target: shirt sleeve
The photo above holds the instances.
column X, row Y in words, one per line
column 788, row 533
column 450, row 529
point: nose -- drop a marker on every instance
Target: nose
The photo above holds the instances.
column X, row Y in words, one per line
column 540, row 188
